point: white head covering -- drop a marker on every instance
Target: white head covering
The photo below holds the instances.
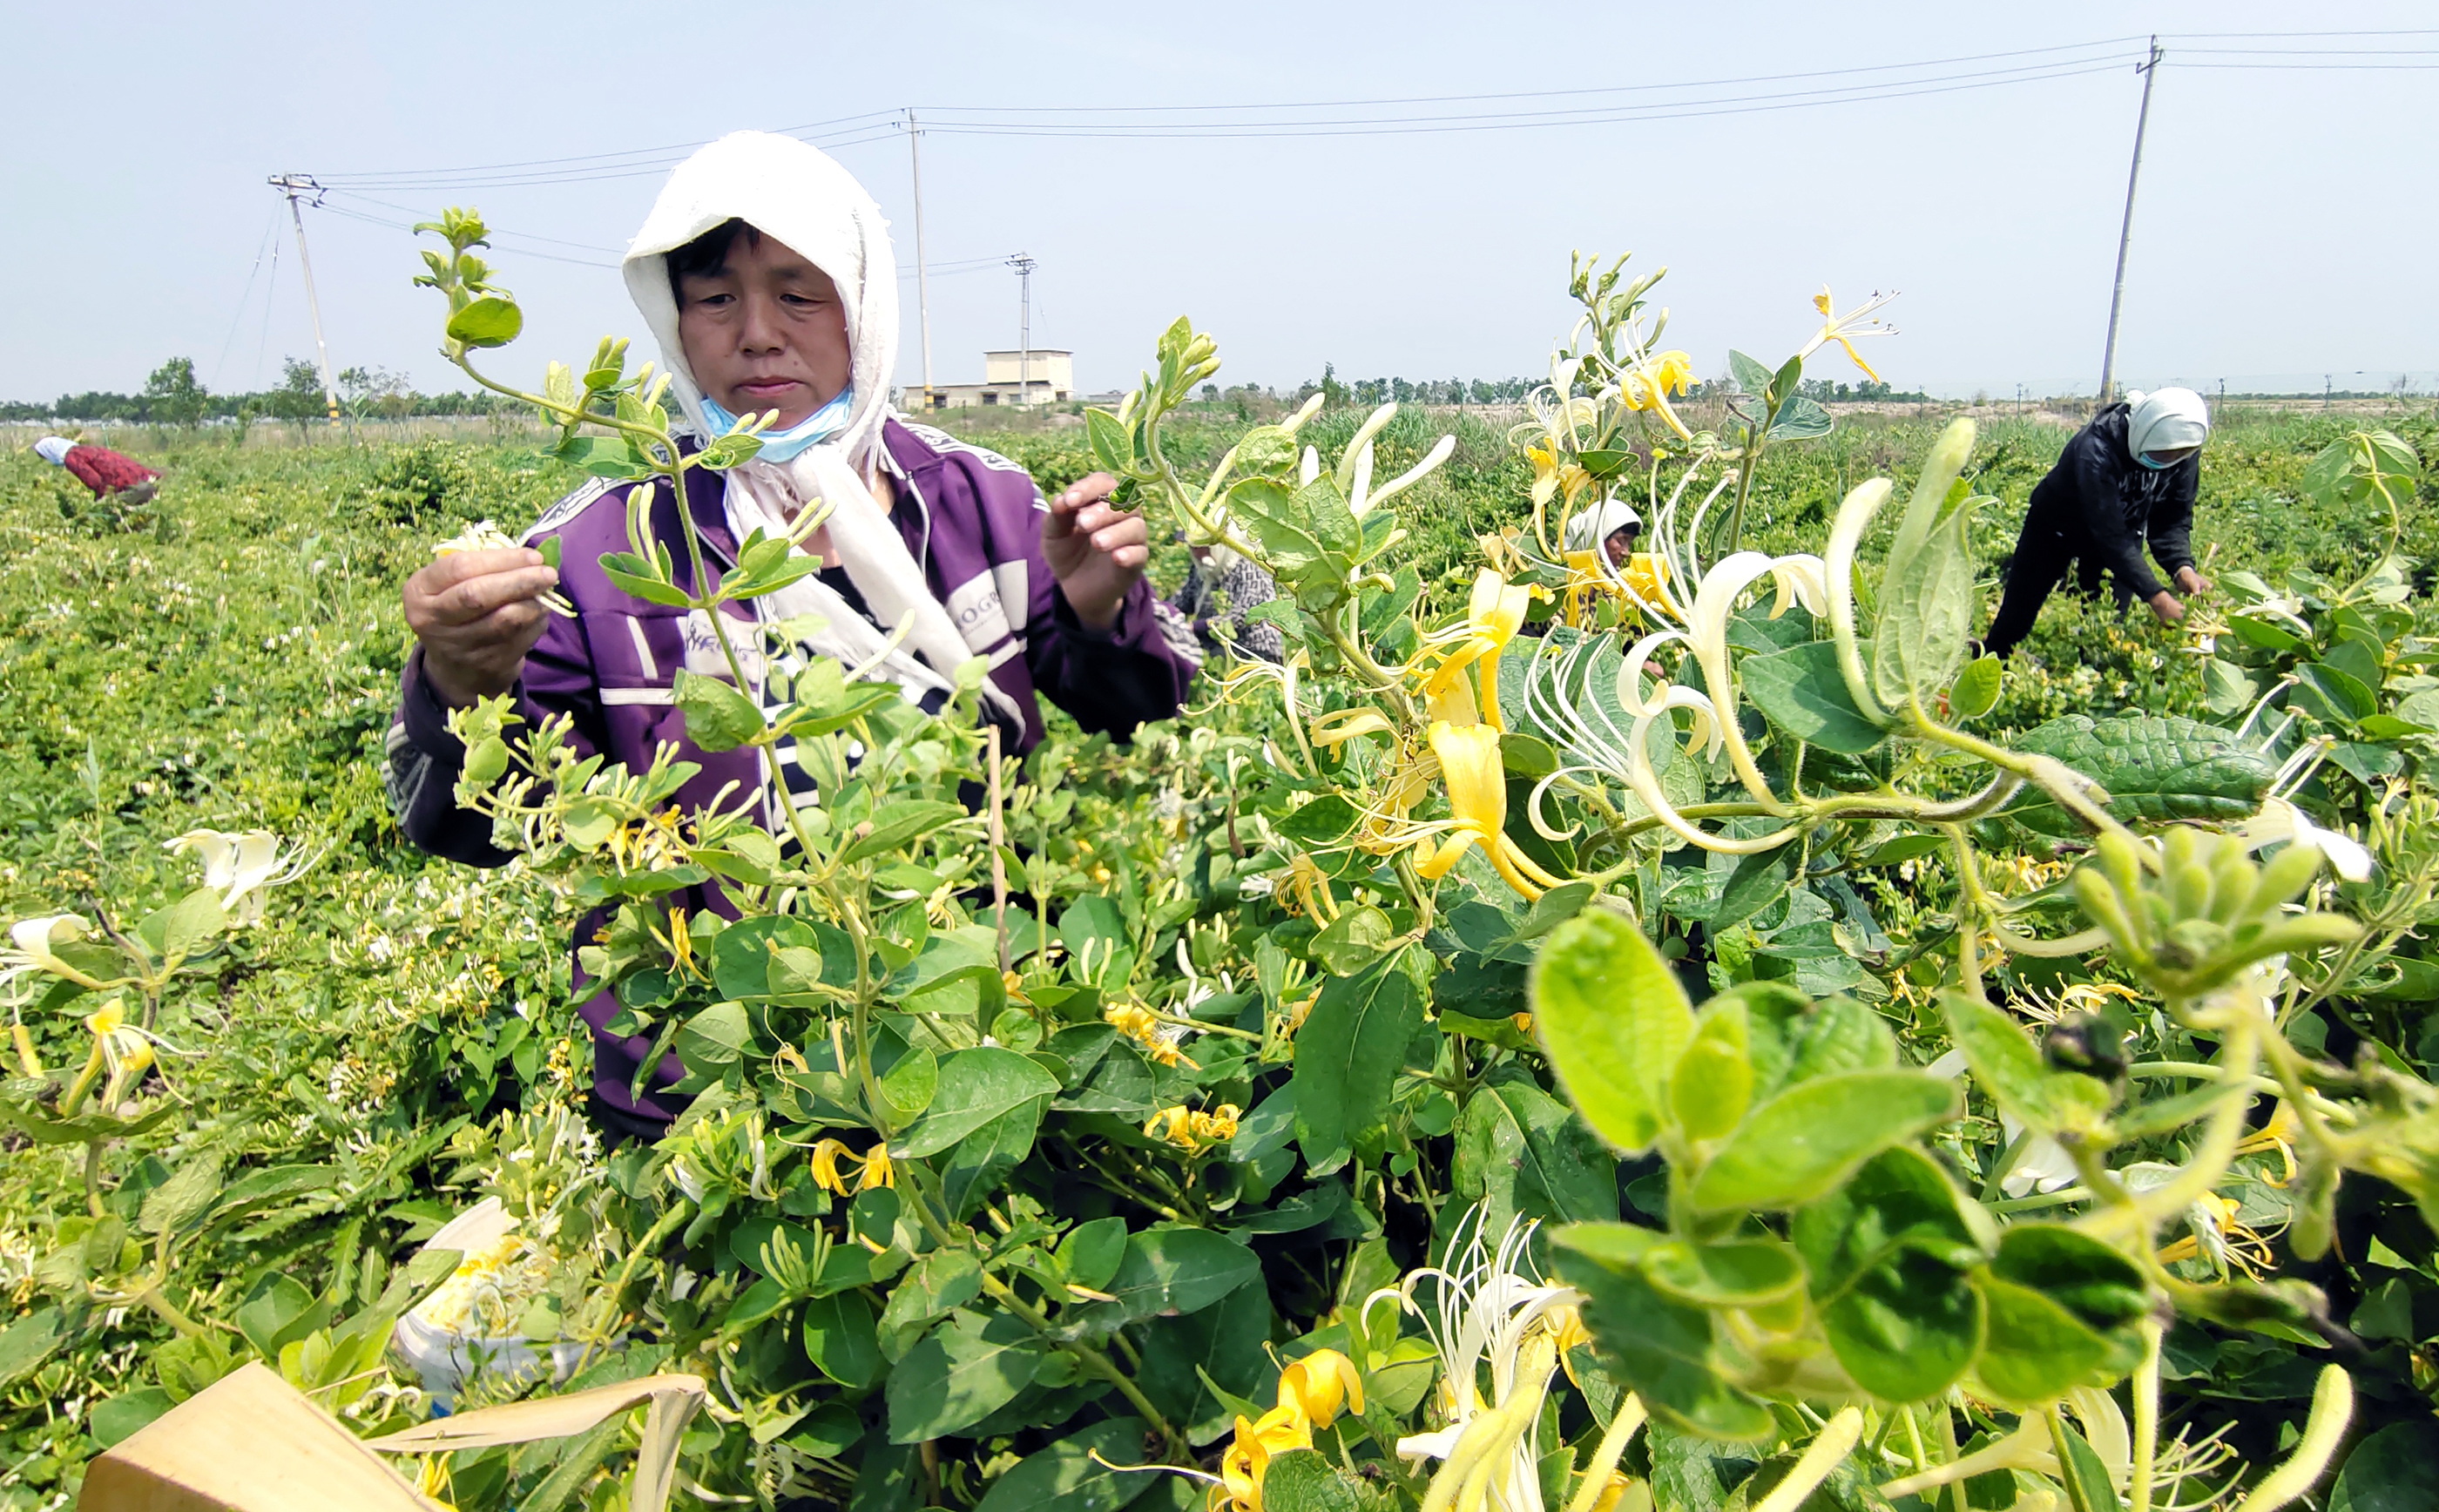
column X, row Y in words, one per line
column 795, row 194
column 1588, row 528
column 54, row 449
column 2167, row 420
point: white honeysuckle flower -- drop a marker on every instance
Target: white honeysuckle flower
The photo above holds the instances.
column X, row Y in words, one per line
column 1363, row 502
column 1488, row 1303
column 241, row 867
column 1802, row 579
column 1309, row 468
column 2041, row 1165
column 34, row 944
column 2280, row 820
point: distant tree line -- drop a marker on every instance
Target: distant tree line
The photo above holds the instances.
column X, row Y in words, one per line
column 174, row 396
column 1371, row 391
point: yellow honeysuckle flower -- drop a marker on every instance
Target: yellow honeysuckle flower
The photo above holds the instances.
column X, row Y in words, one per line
column 876, row 1168
column 1477, row 788
column 1843, row 328
column 1317, row 1384
column 1493, row 615
column 1643, row 583
column 1647, row 383
column 1156, row 1040
column 1274, row 1432
column 1553, row 478
column 1190, row 1131
column 1169, row 1124
column 2278, row 1134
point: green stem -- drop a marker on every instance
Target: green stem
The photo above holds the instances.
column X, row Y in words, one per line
column 1083, row 1354
column 662, row 1227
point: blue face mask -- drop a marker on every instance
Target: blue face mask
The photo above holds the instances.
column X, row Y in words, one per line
column 779, row 446
column 2156, row 463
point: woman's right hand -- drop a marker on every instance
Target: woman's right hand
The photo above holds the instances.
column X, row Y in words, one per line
column 2167, row 606
column 477, row 614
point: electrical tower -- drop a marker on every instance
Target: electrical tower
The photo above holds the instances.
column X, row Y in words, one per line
column 1023, row 266
column 293, row 186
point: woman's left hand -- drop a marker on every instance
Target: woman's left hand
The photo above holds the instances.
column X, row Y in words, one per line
column 1096, row 552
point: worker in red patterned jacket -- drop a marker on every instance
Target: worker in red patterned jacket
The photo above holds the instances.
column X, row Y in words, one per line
column 107, row 474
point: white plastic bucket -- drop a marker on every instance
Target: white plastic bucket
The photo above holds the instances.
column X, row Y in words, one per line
column 443, row 1356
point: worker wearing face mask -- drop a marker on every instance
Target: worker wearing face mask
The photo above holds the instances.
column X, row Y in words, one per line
column 2128, row 476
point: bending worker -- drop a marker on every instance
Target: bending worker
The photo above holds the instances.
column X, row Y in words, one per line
column 2129, row 475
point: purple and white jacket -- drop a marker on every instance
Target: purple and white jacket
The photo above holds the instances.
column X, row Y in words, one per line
column 972, row 519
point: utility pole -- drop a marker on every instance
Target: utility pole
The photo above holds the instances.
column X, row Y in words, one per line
column 2150, row 70
column 293, row 185
column 922, row 269
column 1023, row 266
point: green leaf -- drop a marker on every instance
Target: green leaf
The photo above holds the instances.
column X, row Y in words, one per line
column 277, row 1311
column 183, row 1198
column 1069, row 1475
column 1347, row 1056
column 962, row 1372
column 1353, row 940
column 489, row 321
column 1750, row 374
column 2010, row 1067
column 1800, row 692
column 2156, row 768
column 715, row 1039
column 2087, row 1485
column 1667, row 1350
column 29, row 1342
column 1092, row 1252
column 897, row 824
column 188, row 924
column 2034, row 1350
column 1614, row 1019
column 1808, row 1139
column 1524, row 1153
column 1712, row 1087
column 1739, row 1274
column 842, row 1340
column 1302, row 1481
column 2063, row 1311
column 2389, row 1472
column 2227, row 691
column 717, row 717
column 118, row 1418
column 1975, row 692
column 1889, row 1255
column 975, row 1087
column 1112, row 441
column 1759, row 881
column 937, row 1285
column 1171, row 1272
column 909, row 1086
column 1793, row 1038
column 982, row 1161
column 1926, row 597
column 1800, row 419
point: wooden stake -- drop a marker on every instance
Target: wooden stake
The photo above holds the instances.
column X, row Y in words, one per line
column 998, row 845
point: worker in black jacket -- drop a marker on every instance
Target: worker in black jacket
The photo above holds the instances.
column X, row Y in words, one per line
column 2129, row 475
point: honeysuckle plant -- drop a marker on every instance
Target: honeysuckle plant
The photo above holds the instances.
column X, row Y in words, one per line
column 1484, row 1081
column 1663, row 712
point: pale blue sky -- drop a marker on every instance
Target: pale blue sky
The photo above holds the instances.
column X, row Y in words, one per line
column 2284, row 226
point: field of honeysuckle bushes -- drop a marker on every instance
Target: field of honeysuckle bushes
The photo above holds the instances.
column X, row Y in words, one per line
column 1689, row 1035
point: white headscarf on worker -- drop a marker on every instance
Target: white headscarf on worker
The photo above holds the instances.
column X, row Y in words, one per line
column 1591, row 527
column 2168, row 420
column 795, row 194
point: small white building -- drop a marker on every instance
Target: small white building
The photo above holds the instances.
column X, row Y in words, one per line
column 1048, row 377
